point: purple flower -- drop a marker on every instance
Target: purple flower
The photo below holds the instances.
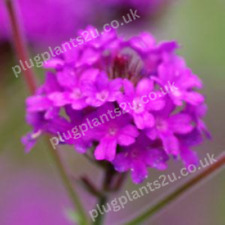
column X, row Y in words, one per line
column 29, row 141
column 116, row 130
column 167, row 125
column 175, row 70
column 60, row 20
column 102, row 90
column 136, row 102
column 133, row 102
column 48, row 22
column 197, row 113
column 139, row 156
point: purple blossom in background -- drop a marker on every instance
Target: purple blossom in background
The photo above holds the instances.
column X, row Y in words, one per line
column 27, row 199
column 47, row 22
column 98, row 97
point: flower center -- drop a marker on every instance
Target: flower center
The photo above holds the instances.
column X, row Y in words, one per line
column 176, row 93
column 137, row 107
column 161, row 125
column 134, row 153
column 127, row 64
column 76, row 93
column 102, row 96
column 112, row 131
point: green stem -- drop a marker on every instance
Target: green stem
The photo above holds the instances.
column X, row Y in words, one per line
column 174, row 195
column 20, row 46
column 72, row 193
column 100, row 218
column 106, row 187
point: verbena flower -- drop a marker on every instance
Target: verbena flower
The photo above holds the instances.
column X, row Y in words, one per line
column 139, row 156
column 135, row 102
column 117, row 130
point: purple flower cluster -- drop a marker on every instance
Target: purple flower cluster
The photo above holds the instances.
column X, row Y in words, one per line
column 98, row 78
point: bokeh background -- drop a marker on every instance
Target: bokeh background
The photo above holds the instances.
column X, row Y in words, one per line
column 31, row 192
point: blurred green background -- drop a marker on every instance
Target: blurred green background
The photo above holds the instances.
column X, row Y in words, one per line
column 31, row 182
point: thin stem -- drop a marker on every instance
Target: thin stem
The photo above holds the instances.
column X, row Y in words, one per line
column 97, row 163
column 102, row 200
column 174, row 195
column 90, row 187
column 100, row 218
column 20, row 46
column 119, row 182
column 73, row 195
column 23, row 55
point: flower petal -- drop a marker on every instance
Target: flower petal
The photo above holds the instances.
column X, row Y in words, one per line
column 106, row 149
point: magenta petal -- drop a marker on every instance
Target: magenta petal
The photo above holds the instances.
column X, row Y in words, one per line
column 115, row 85
column 125, row 140
column 144, row 42
column 130, row 130
column 189, row 157
column 67, row 78
column 152, row 134
column 144, row 87
column 139, row 172
column 144, row 120
column 122, row 162
column 102, row 81
column 157, row 104
column 38, row 103
column 204, row 130
column 194, row 81
column 59, row 98
column 181, row 123
column 138, row 119
column 106, row 149
column 157, row 159
column 82, row 146
column 51, row 113
column 89, row 57
column 51, row 83
column 171, row 144
column 78, row 104
column 89, row 75
column 149, row 120
column 53, row 63
column 128, row 88
column 29, row 141
column 194, row 98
